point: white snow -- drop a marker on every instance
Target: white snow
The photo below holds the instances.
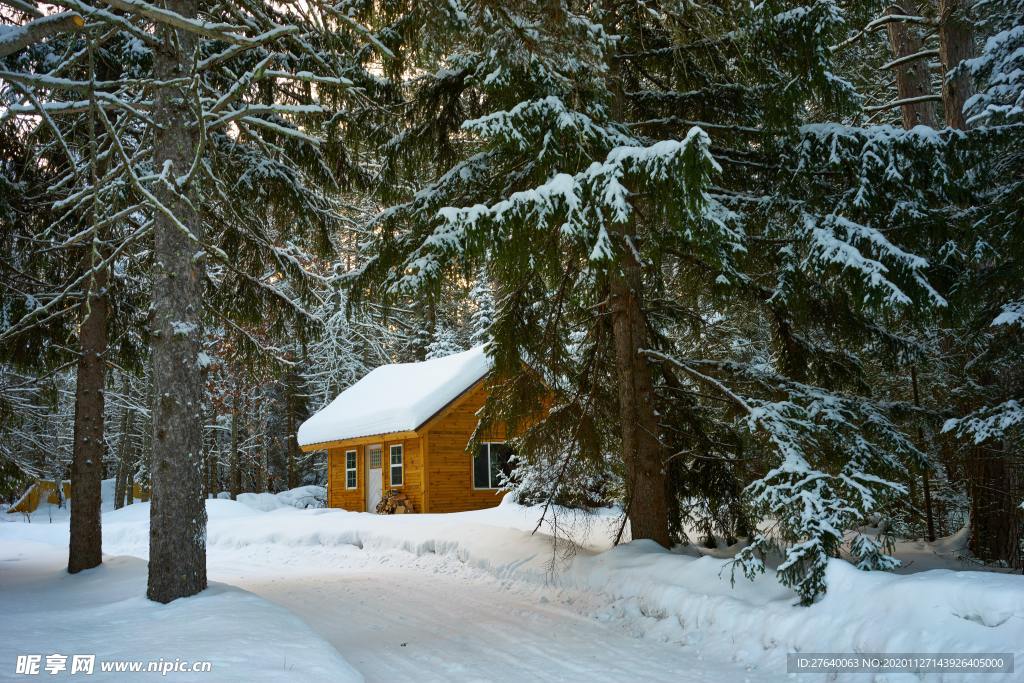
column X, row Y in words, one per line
column 474, row 596
column 302, row 498
column 395, row 398
column 104, row 612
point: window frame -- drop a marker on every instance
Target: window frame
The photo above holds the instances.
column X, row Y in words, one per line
column 392, row 465
column 371, row 451
column 354, row 469
column 472, row 466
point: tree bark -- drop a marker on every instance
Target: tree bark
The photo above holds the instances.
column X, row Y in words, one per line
column 236, row 464
column 122, row 461
column 928, row 514
column 291, row 405
column 177, row 544
column 119, row 478
column 641, row 447
column 912, row 78
column 86, row 544
column 994, row 479
column 956, row 43
column 996, row 519
column 642, row 453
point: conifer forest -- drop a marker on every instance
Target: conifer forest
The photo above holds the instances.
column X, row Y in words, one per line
column 747, row 277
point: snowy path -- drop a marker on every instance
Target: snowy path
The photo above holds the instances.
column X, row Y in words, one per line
column 395, row 618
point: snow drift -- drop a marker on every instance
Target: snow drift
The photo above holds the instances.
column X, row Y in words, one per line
column 661, row 594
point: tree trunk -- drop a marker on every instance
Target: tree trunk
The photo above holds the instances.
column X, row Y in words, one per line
column 119, row 479
column 996, row 518
column 641, row 447
column 928, row 514
column 642, row 454
column 993, row 479
column 86, row 546
column 129, row 486
column 123, row 465
column 211, row 473
column 291, row 405
column 956, row 43
column 236, row 465
column 912, row 78
column 177, row 542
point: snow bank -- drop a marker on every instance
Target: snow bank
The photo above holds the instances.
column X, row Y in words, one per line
column 103, row 612
column 661, row 594
column 302, row 497
column 395, row 398
column 654, row 593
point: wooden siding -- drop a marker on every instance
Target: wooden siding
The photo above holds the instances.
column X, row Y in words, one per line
column 449, row 471
column 412, row 478
column 355, row 499
column 337, row 495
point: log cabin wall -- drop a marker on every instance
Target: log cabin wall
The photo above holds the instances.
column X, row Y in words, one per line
column 449, row 467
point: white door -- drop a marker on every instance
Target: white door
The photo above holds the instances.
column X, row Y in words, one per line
column 374, row 477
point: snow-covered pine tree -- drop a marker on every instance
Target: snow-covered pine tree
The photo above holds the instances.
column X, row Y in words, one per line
column 651, row 179
column 483, row 314
column 443, row 342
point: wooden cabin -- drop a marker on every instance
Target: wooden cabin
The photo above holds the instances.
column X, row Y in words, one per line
column 406, row 428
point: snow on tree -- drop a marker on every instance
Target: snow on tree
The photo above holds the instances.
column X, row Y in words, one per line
column 484, row 309
column 249, row 72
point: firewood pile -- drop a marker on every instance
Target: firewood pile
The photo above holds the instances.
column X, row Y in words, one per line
column 395, row 503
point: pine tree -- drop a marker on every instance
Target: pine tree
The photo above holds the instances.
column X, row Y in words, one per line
column 484, row 309
column 726, row 247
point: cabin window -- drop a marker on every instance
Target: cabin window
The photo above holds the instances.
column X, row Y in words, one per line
column 396, row 465
column 351, row 473
column 490, row 463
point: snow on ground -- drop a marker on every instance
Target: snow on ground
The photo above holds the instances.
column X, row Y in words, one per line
column 472, row 596
column 104, row 612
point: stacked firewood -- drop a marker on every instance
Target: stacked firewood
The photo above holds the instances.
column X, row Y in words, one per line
column 395, row 503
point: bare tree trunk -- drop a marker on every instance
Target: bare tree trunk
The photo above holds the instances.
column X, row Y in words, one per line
column 211, row 473
column 641, row 447
column 122, row 460
column 236, row 465
column 956, row 43
column 292, row 444
column 129, row 485
column 912, row 77
column 642, row 453
column 119, row 478
column 928, row 514
column 177, row 542
column 996, row 519
column 86, row 546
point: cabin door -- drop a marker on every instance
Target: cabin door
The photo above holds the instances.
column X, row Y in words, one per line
column 374, row 477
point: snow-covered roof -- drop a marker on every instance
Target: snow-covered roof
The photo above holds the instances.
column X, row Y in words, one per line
column 395, row 398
